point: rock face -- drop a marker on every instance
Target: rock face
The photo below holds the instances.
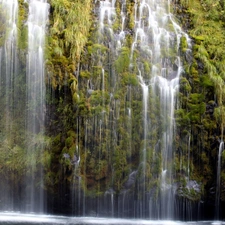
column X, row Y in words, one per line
column 191, row 191
column 134, row 110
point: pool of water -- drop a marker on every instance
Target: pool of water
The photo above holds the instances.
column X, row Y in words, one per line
column 32, row 219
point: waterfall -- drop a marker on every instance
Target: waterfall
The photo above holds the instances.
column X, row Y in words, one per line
column 23, row 111
column 129, row 68
column 217, row 208
column 8, row 56
column 101, row 128
column 8, row 53
column 8, row 95
column 188, row 166
column 115, row 153
column 145, row 125
column 154, row 40
column 37, row 21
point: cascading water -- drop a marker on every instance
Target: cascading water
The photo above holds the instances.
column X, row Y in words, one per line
column 8, row 72
column 101, row 125
column 217, row 208
column 121, row 150
column 9, row 10
column 145, row 90
column 154, row 40
column 151, row 69
column 37, row 21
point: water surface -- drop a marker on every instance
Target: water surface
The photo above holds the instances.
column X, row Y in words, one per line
column 19, row 218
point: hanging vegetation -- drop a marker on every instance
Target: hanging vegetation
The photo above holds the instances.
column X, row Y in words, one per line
column 70, row 22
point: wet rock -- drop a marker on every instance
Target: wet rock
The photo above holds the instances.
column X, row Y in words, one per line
column 191, row 191
column 210, row 107
column 131, row 180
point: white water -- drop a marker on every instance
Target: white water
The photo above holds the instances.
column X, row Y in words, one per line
column 19, row 218
column 156, row 33
column 189, row 149
column 122, row 34
column 37, row 21
column 105, row 81
column 8, row 57
column 107, row 16
column 8, row 95
column 217, row 208
column 158, row 81
column 145, row 90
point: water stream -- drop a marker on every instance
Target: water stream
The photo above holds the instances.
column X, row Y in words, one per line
column 8, row 90
column 155, row 60
column 218, row 188
column 156, row 33
column 8, row 56
column 35, row 119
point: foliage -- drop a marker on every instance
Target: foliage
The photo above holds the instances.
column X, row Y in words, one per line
column 202, row 86
column 3, row 26
column 22, row 25
column 69, row 27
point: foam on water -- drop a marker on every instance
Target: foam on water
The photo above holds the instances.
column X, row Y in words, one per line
column 21, row 218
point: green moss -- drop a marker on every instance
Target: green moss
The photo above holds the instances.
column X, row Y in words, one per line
column 190, row 194
column 70, row 22
column 185, row 85
column 130, row 14
column 69, row 141
column 182, row 118
column 206, row 81
column 147, row 67
column 209, row 124
column 3, row 28
column 199, row 39
column 123, row 61
column 183, row 44
column 97, row 48
column 22, row 27
column 129, row 79
column 85, row 74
